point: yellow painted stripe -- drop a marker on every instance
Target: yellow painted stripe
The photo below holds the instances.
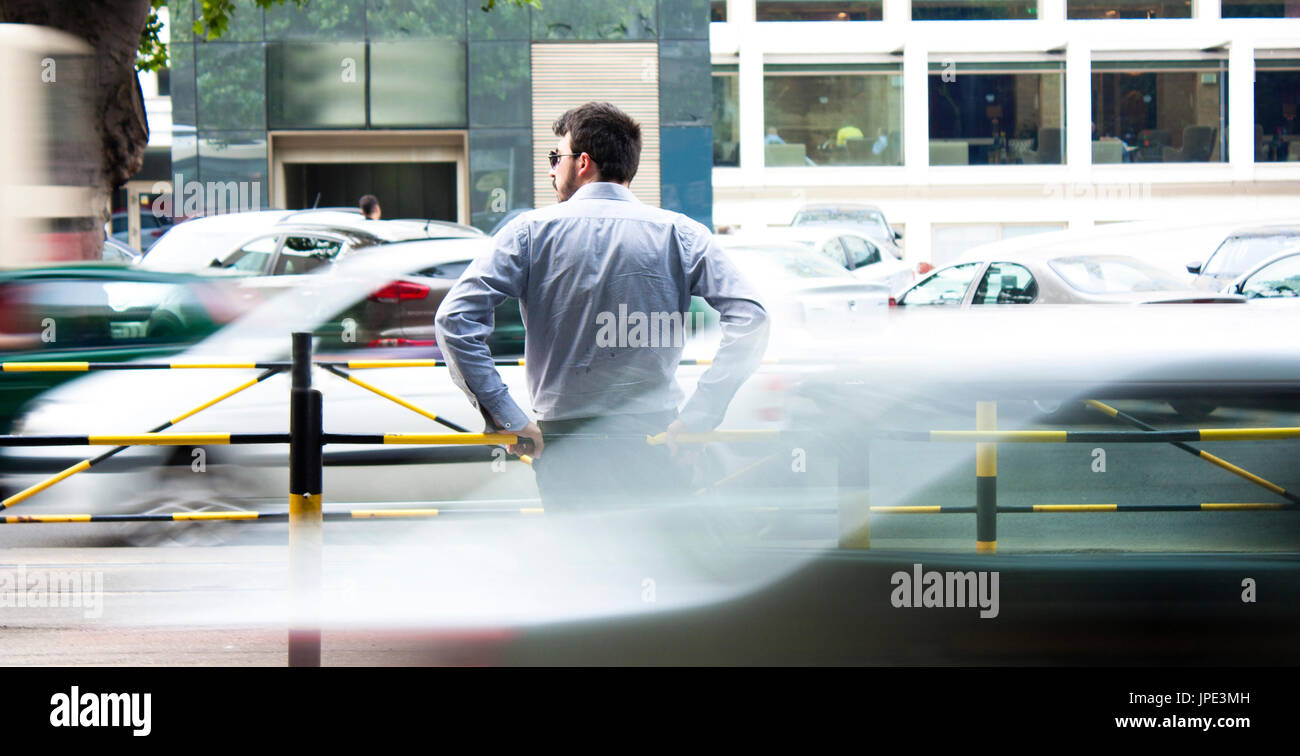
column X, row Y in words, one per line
column 1243, row 473
column 160, row 439
column 526, row 459
column 532, row 510
column 361, row 514
column 450, row 439
column 221, row 398
column 367, row 364
column 519, row 362
column 659, row 439
column 1241, row 505
column 1251, row 434
column 1076, row 507
column 215, row 516
column 908, row 510
column 46, row 367
column 47, row 518
column 1105, row 408
column 994, row 436
column 27, row 492
column 304, row 506
column 986, row 547
column 392, row 398
column 209, row 365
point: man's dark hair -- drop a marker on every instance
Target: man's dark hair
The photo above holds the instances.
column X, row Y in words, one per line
column 368, row 204
column 607, row 134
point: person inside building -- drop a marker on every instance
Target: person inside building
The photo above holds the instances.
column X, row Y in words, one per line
column 370, row 207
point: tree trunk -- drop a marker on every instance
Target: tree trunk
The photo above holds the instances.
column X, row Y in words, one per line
column 112, row 28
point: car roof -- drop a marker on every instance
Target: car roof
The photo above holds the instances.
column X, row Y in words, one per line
column 841, row 205
column 1281, row 229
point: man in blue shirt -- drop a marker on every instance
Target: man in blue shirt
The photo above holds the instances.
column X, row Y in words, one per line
column 604, row 284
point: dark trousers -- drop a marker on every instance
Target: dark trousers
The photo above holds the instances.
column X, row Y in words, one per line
column 603, row 463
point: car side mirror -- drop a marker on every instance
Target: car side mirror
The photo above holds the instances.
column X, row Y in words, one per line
column 898, row 235
column 1194, row 267
column 215, row 263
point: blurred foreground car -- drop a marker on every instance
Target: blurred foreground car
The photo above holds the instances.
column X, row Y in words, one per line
column 1242, row 251
column 1053, row 278
column 92, row 312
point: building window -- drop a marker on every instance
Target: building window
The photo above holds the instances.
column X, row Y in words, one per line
column 718, row 11
column 973, row 10
column 833, row 114
column 1277, row 95
column 1160, row 112
column 1250, row 9
column 820, row 10
column 726, row 115
column 997, row 113
column 1086, row 9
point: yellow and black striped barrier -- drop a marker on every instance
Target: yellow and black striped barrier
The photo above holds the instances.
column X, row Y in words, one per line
column 986, row 481
column 1199, row 453
column 408, row 405
column 335, row 516
column 89, row 463
column 89, row 367
column 150, row 439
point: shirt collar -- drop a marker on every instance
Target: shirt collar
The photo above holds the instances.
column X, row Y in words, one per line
column 604, row 190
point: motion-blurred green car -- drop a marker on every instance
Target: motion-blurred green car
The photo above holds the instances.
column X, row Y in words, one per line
column 97, row 312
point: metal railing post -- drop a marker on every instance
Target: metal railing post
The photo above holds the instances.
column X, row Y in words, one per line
column 305, row 483
column 986, row 480
column 854, row 492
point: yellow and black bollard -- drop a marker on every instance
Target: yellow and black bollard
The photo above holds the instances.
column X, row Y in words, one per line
column 306, row 434
column 986, row 480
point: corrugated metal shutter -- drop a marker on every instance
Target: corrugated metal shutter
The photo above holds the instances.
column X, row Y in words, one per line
column 568, row 75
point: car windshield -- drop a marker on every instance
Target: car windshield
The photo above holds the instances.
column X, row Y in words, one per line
column 1112, row 274
column 1238, row 253
column 837, row 215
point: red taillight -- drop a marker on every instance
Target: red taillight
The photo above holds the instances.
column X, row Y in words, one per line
column 923, row 267
column 399, row 291
column 893, row 302
column 403, row 343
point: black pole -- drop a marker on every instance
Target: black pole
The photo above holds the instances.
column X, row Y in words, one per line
column 305, row 483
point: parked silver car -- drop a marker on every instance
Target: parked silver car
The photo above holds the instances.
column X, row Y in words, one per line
column 1241, row 251
column 1053, row 278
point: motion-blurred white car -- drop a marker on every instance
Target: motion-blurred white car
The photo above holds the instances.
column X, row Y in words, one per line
column 847, row 247
column 803, row 291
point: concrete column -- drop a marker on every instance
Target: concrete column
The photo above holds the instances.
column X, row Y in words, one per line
column 1241, row 108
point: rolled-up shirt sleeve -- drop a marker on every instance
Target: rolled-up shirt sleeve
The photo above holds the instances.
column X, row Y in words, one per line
column 465, row 321
column 744, row 325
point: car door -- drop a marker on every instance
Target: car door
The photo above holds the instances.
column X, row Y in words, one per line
column 298, row 255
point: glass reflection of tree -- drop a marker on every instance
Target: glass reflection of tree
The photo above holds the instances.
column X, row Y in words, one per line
column 579, row 19
column 231, row 86
column 400, row 19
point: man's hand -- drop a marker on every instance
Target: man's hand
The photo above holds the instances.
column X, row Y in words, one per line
column 532, row 433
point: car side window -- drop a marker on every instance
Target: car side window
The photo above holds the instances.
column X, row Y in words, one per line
column 835, row 251
column 1006, row 283
column 253, row 257
column 1280, row 279
column 860, row 251
column 303, row 254
column 945, row 288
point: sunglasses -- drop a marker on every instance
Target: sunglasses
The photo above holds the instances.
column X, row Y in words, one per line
column 554, row 157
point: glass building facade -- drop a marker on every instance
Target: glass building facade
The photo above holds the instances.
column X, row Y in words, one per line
column 424, row 66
